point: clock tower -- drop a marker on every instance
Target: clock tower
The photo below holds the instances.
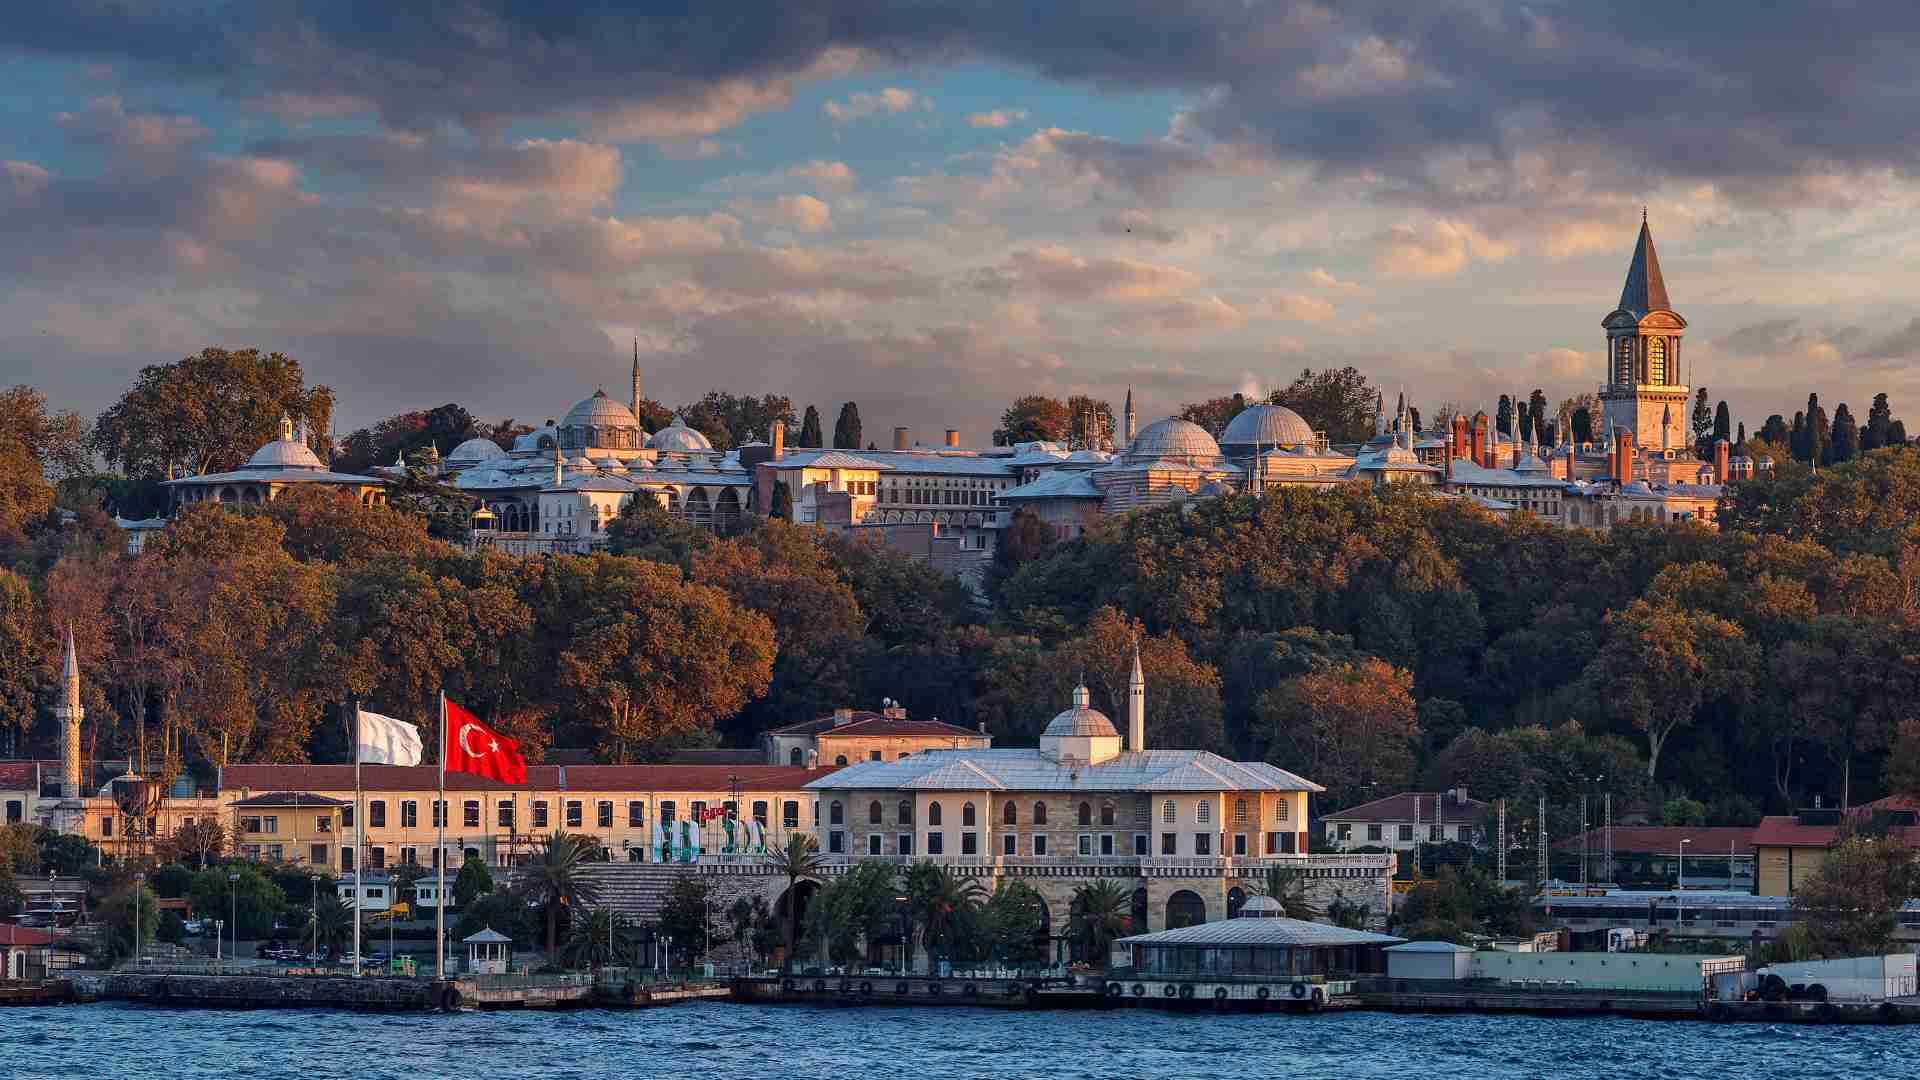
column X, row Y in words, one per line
column 1644, row 393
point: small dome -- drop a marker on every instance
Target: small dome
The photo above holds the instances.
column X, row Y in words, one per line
column 677, row 436
column 1082, row 720
column 534, row 439
column 286, row 452
column 1267, row 425
column 474, row 451
column 600, row 411
column 1261, row 907
column 1174, row 438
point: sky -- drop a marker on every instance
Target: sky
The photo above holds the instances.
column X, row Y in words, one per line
column 931, row 208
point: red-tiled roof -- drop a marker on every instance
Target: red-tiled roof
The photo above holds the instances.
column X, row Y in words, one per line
column 1785, row 830
column 876, row 726
column 23, row 935
column 1665, row 839
column 1401, row 808
column 290, row 798
column 283, row 778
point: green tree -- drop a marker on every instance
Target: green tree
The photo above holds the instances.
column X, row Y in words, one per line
column 1090, row 423
column 556, row 879
column 647, row 530
column 853, row 909
column 1702, row 425
column 810, row 435
column 208, row 413
column 1879, row 424
column 944, row 905
column 1846, row 435
column 1582, row 424
column 1102, row 913
column 1336, row 401
column 1214, row 414
column 596, row 938
column 686, row 915
column 782, row 502
column 473, row 881
column 799, row 861
column 1681, row 810
column 1035, row 418
column 332, row 923
column 1660, row 664
column 846, row 429
column 253, row 900
column 1287, row 885
column 22, row 654
column 1014, row 921
column 1850, row 903
column 128, row 911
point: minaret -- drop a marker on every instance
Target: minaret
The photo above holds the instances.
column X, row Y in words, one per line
column 1129, row 420
column 1136, row 704
column 559, row 469
column 69, row 713
column 635, row 403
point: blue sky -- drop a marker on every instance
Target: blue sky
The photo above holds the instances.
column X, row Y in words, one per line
column 931, row 209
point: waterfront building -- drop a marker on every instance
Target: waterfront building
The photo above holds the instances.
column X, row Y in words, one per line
column 283, row 463
column 25, row 952
column 1789, row 848
column 1649, row 856
column 849, row 735
column 1404, row 821
column 1257, row 957
column 1429, row 960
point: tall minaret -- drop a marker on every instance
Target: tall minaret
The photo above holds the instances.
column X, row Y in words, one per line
column 69, row 713
column 1136, row 704
column 635, row 403
column 1129, row 418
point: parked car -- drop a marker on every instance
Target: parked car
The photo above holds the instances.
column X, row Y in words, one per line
column 316, row 957
column 195, row 926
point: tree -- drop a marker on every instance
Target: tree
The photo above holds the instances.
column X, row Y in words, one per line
column 799, row 861
column 22, row 654
column 195, row 845
column 1903, row 764
column 596, row 938
column 131, row 916
column 1846, row 435
column 473, row 881
column 1774, row 430
column 1819, row 434
column 1338, row 402
column 782, row 502
column 1879, row 424
column 57, row 441
column 727, row 420
column 1850, row 903
column 332, row 922
column 1797, row 437
column 1287, row 886
column 1702, row 426
column 846, row 429
column 555, row 879
column 1214, row 414
column 208, row 413
column 686, row 913
column 1722, row 424
column 1681, row 810
column 1661, row 662
column 1741, row 439
column 1035, row 418
column 1102, row 914
column 1346, row 727
column 852, row 910
column 1897, row 433
column 1090, row 423
column 1014, row 920
column 810, row 429
column 647, row 530
column 943, row 905
column 253, row 901
column 1183, row 699
column 1503, row 416
column 1537, row 412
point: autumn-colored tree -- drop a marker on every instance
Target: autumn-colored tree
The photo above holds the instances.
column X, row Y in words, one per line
column 1850, row 903
column 1344, row 728
column 1034, row 418
column 647, row 530
column 1183, row 695
column 1336, row 401
column 209, row 413
column 55, row 439
column 331, row 526
column 1214, row 414
column 1090, row 423
column 23, row 652
column 1660, row 663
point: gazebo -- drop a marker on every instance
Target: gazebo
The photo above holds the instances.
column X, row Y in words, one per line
column 488, row 952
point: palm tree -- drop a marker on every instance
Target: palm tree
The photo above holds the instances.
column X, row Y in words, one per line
column 554, row 879
column 595, row 939
column 799, row 861
column 1102, row 913
column 942, row 903
column 333, row 921
column 1288, row 886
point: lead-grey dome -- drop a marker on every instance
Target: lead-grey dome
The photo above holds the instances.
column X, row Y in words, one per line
column 677, row 436
column 473, row 452
column 1174, row 438
column 600, row 411
column 1081, row 721
column 1267, row 425
column 285, row 452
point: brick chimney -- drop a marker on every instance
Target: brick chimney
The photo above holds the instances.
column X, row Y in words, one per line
column 1720, row 452
column 953, row 438
column 779, row 439
column 1459, row 447
column 1623, row 456
column 1482, row 445
column 900, row 438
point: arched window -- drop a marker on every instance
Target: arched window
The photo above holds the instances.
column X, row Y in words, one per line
column 1106, row 813
column 840, row 759
column 1280, row 810
column 1086, row 814
column 1204, row 812
column 906, row 811
column 1657, row 360
column 1039, row 813
column 795, row 757
column 933, row 814
column 966, row 816
column 1239, row 810
column 836, row 815
column 1168, row 814
column 873, row 812
column 1009, row 815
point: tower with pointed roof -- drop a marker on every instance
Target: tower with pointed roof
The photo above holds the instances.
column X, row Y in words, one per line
column 634, row 404
column 1131, row 429
column 69, row 713
column 1136, row 704
column 1644, row 392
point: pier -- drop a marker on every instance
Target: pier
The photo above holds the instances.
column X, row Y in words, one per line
column 377, row 994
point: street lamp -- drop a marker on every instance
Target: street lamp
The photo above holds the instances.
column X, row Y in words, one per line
column 1683, row 861
column 139, row 887
column 313, row 899
column 218, row 926
column 233, row 908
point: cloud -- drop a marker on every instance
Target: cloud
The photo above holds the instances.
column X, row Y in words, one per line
column 1321, row 278
column 1897, row 347
column 1437, row 249
column 1208, row 314
column 106, row 123
column 1560, row 362
column 465, row 173
column 861, row 105
column 1059, row 271
column 1300, row 307
column 1138, row 224
column 835, row 176
column 803, row 213
column 996, row 118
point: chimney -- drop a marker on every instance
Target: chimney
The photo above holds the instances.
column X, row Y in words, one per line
column 900, row 438
column 1623, row 456
column 842, row 717
column 953, row 438
column 1459, row 435
column 779, row 439
column 1482, row 447
column 1720, row 452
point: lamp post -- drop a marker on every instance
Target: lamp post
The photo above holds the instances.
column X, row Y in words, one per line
column 233, row 908
column 1683, row 862
column 139, row 888
column 313, row 898
column 219, row 925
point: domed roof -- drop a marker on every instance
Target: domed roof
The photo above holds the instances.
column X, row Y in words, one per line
column 531, row 440
column 600, row 411
column 285, row 452
column 1173, row 437
column 1267, row 425
column 1082, row 720
column 678, row 436
column 474, row 451
column 1261, row 907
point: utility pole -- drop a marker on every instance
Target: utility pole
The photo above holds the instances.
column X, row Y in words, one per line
column 1609, row 841
column 1541, row 867
column 1502, row 857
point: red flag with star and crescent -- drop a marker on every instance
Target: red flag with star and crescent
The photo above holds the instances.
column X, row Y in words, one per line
column 473, row 747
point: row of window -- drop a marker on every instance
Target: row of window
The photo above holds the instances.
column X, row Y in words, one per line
column 574, row 810
column 1435, row 833
column 1010, row 812
column 1277, row 843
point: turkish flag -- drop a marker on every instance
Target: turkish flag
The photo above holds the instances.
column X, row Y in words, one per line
column 473, row 747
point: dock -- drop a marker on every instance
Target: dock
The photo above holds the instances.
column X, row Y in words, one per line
column 1004, row 992
column 36, row 992
column 381, row 994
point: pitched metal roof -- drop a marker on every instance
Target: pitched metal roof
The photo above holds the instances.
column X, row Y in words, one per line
column 1059, row 484
column 1262, row 931
column 829, row 459
column 1645, row 290
column 290, row 798
column 1402, row 807
column 1030, row 770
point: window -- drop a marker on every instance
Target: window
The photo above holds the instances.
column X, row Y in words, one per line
column 837, row 843
column 576, row 814
column 346, row 817
column 1203, row 843
column 1039, row 813
column 1040, row 844
column 760, row 812
column 873, row 843
column 967, row 816
column 1106, row 843
column 1167, row 842
column 470, row 814
column 969, row 843
column 318, row 856
column 789, row 814
column 1086, row 844
column 1009, row 815
column 873, row 812
column 933, row 815
column 247, row 825
column 377, row 814
column 1140, row 845
column 873, row 755
column 1204, row 812
column 1436, row 833
column 906, row 811
column 346, row 859
column 1464, row 834
column 1239, row 811
column 793, row 757
column 603, row 814
column 1239, row 843
column 1167, row 813
column 377, row 858
column 1346, row 831
column 1086, row 813
column 1280, row 810
column 1406, row 833
column 840, row 759
column 409, row 814
column 1273, row 843
column 324, row 824
column 636, row 813
column 1106, row 813
column 409, row 856
column 504, row 815
column 905, row 844
column 540, row 815
column 836, row 815
column 1009, row 844
column 1373, row 833
column 934, row 844
column 439, row 814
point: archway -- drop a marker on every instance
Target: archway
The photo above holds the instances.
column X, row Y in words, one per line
column 726, row 511
column 699, row 510
column 1185, row 908
column 1236, row 898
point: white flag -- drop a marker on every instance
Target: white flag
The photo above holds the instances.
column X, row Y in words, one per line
column 386, row 741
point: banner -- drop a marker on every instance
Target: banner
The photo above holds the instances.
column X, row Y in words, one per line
column 382, row 740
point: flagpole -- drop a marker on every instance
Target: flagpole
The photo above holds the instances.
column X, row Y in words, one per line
column 440, row 853
column 359, row 837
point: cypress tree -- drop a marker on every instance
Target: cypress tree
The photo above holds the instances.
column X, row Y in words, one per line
column 782, row 501
column 1702, row 426
column 810, row 428
column 846, row 430
column 1797, row 437
column 1722, row 423
column 1742, row 440
column 1897, row 433
column 1503, row 416
column 1846, row 435
column 1582, row 423
column 1879, row 423
column 1819, row 431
